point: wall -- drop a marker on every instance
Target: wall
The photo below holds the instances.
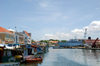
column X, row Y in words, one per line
column 6, row 38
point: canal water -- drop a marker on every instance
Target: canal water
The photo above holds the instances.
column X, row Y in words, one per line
column 69, row 57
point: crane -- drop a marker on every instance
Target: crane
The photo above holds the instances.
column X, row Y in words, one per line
column 94, row 43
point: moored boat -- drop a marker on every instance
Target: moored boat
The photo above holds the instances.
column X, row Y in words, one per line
column 33, row 60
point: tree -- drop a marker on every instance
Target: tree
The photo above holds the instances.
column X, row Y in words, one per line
column 46, row 41
column 63, row 40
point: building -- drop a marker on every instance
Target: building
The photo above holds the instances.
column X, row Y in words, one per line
column 71, row 43
column 27, row 38
column 6, row 37
column 90, row 42
column 53, row 42
column 12, row 37
column 19, row 38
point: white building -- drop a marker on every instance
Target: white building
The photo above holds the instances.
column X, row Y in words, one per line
column 27, row 39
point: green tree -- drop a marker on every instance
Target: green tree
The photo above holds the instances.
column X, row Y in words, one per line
column 63, row 40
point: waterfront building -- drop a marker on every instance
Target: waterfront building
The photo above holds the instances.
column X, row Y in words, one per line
column 6, row 37
column 89, row 42
column 19, row 38
column 27, row 38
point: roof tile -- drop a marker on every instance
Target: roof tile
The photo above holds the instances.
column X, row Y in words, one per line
column 4, row 30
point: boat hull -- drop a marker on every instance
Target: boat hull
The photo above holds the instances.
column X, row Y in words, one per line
column 34, row 60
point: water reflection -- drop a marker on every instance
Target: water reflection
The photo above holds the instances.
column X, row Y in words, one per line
column 92, row 57
column 69, row 57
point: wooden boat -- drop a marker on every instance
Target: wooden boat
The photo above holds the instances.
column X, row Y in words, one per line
column 29, row 60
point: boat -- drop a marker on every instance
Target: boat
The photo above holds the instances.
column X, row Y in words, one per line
column 33, row 60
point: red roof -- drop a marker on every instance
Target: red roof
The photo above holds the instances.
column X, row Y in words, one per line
column 4, row 30
column 54, row 41
column 26, row 33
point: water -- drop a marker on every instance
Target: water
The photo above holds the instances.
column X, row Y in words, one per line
column 70, row 57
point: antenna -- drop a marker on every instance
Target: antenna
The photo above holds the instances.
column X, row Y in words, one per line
column 85, row 33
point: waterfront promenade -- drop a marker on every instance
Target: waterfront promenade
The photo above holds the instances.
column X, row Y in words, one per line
column 70, row 57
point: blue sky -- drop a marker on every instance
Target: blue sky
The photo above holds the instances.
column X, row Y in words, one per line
column 47, row 18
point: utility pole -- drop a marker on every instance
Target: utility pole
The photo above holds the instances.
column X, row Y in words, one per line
column 15, row 35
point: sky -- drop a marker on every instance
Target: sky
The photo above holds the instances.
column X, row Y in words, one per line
column 52, row 19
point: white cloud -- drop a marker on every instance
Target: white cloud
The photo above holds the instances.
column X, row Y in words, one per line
column 94, row 26
column 93, row 30
column 50, row 36
column 77, row 31
column 57, row 36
